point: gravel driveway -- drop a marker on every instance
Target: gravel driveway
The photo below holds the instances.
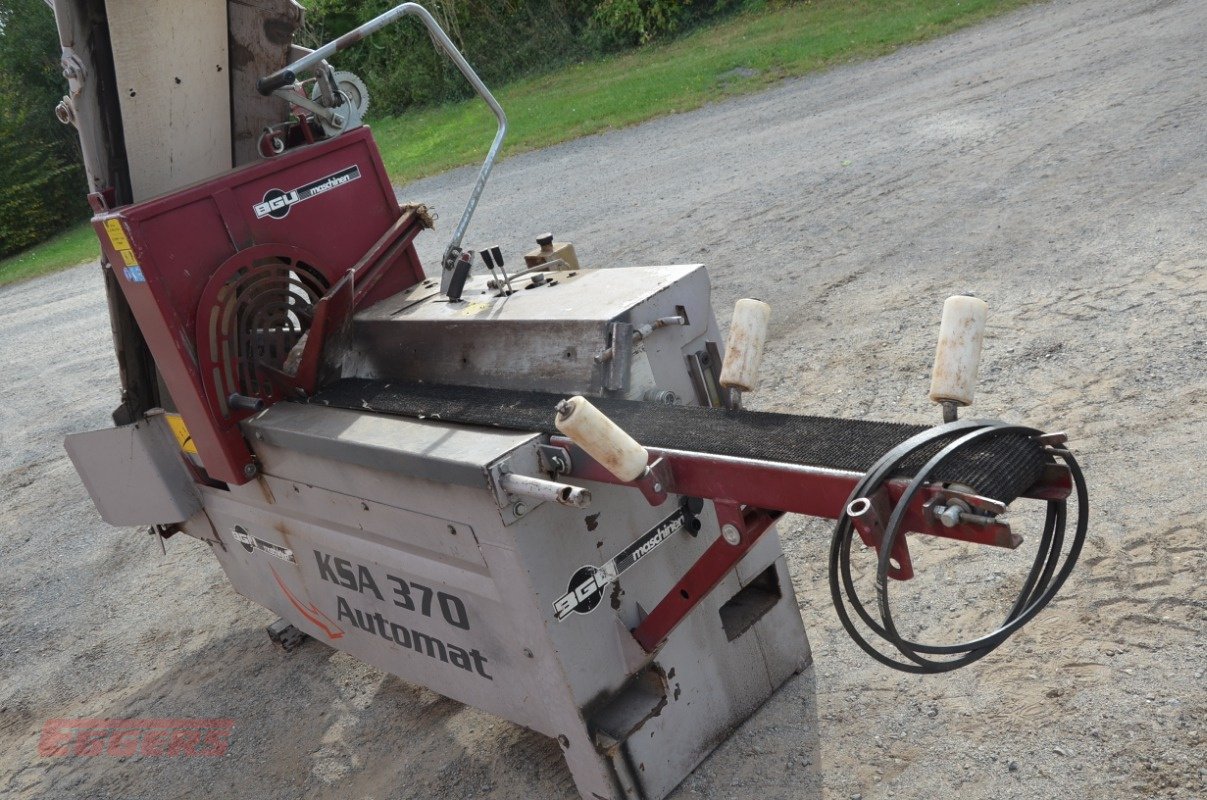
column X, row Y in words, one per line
column 1053, row 161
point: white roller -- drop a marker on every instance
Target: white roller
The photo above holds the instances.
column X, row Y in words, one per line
column 744, row 352
column 958, row 353
column 602, row 438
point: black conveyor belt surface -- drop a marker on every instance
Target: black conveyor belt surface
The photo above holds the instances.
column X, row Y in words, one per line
column 1002, row 467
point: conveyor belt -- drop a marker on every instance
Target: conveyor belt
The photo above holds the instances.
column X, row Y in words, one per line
column 1002, row 468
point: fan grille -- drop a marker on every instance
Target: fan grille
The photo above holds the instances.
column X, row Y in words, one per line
column 255, row 310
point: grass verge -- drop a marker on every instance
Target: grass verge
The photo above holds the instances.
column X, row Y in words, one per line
column 736, row 56
column 74, row 246
column 739, row 55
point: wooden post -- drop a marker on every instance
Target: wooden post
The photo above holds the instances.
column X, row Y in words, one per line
column 261, row 33
column 173, row 83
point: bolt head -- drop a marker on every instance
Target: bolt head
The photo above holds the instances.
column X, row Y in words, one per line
column 519, row 508
column 731, row 534
column 249, row 470
column 949, row 515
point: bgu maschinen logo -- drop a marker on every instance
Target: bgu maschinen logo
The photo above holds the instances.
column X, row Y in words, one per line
column 129, row 737
column 277, row 202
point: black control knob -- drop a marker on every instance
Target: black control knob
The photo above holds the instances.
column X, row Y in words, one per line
column 242, row 402
column 456, row 283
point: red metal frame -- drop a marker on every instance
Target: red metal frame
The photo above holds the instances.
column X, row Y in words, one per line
column 175, row 243
column 702, row 578
column 813, row 491
column 752, row 495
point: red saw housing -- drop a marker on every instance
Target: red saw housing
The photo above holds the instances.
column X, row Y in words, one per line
column 228, row 278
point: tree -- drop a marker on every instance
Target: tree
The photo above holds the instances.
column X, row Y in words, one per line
column 42, row 180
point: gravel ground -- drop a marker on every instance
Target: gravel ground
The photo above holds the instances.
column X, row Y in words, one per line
column 1051, row 161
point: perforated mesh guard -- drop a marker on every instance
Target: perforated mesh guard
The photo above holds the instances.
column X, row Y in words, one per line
column 1002, row 467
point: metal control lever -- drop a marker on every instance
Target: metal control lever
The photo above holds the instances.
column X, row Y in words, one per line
column 283, row 79
column 489, row 261
column 457, row 277
column 493, row 257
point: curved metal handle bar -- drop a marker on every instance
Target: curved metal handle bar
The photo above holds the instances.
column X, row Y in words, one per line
column 287, row 75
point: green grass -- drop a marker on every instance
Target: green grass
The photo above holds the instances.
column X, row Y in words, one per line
column 74, row 246
column 687, row 73
column 739, row 55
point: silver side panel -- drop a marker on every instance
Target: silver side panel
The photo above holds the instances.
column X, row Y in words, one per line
column 135, row 473
column 384, row 537
column 443, row 453
column 544, row 338
column 393, row 539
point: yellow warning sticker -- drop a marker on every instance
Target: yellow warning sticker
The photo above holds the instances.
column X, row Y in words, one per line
column 183, row 438
column 117, row 236
column 128, row 257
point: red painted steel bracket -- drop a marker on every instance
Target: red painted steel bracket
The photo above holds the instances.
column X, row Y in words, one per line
column 752, row 495
column 702, row 577
column 868, row 515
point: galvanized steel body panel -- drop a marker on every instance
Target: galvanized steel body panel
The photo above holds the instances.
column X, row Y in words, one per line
column 410, row 500
column 544, row 338
column 345, row 494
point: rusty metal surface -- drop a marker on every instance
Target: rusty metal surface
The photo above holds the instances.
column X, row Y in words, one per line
column 261, row 36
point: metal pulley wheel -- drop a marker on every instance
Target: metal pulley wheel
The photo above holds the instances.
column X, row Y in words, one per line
column 352, row 87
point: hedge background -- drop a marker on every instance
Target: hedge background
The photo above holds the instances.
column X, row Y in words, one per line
column 40, row 171
column 42, row 185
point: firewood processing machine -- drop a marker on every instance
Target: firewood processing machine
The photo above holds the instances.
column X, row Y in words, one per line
column 528, row 486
